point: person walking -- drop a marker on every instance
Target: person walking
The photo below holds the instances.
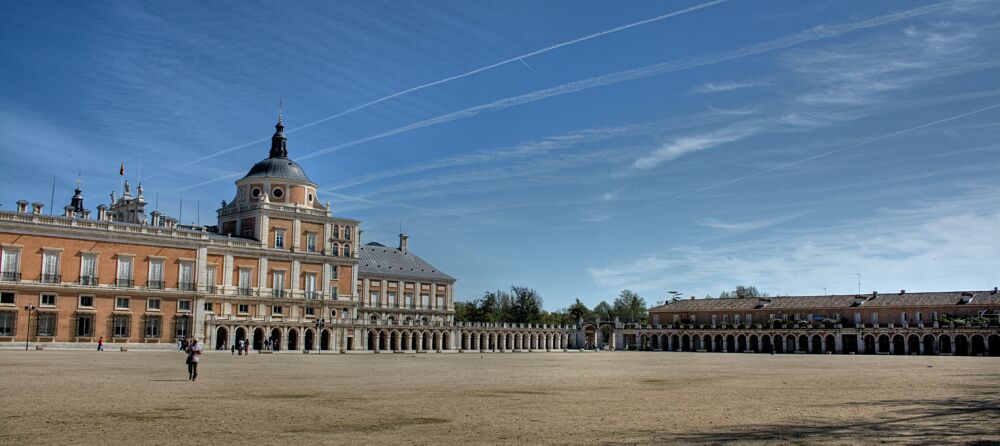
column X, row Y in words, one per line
column 100, row 344
column 246, row 347
column 193, row 357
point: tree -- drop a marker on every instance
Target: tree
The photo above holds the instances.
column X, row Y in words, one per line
column 604, row 311
column 579, row 311
column 629, row 307
column 742, row 292
column 526, row 306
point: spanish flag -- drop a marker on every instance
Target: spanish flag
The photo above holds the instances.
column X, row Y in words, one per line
column 121, row 171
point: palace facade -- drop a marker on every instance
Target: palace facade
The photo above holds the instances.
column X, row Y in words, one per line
column 278, row 269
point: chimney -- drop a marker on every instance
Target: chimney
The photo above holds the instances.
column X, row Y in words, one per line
column 874, row 294
column 402, row 241
column 86, row 214
column 102, row 212
column 22, row 205
column 995, row 290
column 36, row 207
column 901, row 292
column 155, row 218
column 68, row 211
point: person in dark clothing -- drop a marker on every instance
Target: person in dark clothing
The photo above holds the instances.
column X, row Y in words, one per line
column 193, row 358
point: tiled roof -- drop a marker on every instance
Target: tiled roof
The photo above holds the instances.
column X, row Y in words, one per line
column 935, row 299
column 377, row 259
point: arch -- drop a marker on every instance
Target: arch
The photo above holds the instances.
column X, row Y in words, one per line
column 373, row 319
column 221, row 338
column 309, row 339
column 706, row 343
column 240, row 334
column 275, row 339
column 370, row 345
column 930, row 345
column 426, row 337
column 730, row 343
column 720, row 343
column 664, row 342
column 695, row 343
column 675, row 343
column 741, row 343
column 884, row 343
column 446, row 340
column 325, row 339
column 913, row 344
column 978, row 345
column 383, row 340
column 765, row 344
column 754, row 343
column 993, row 345
column 961, row 345
column 817, row 344
column 510, row 341
column 898, row 345
column 404, row 338
column 258, row 338
column 394, row 340
column 803, row 345
column 870, row 345
column 685, row 343
column 944, row 344
column 790, row 344
column 293, row 339
column 778, row 343
column 829, row 344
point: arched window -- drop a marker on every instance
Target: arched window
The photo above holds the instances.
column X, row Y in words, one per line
column 336, row 231
column 374, row 319
column 334, row 249
column 347, row 232
column 347, row 250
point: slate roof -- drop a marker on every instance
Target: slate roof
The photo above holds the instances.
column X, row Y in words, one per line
column 278, row 168
column 377, row 259
column 932, row 299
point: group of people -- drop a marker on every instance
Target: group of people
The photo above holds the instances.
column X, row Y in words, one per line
column 241, row 347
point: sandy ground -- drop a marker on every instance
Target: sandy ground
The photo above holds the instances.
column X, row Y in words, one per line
column 58, row 397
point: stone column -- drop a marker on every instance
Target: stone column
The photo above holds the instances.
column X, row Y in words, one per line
column 296, row 271
column 296, row 235
column 810, row 345
column 262, row 273
column 227, row 273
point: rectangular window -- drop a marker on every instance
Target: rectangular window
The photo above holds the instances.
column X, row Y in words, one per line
column 725, row 318
column 656, row 319
column 347, row 232
column 85, row 325
column 333, row 271
column 184, row 305
column 244, row 281
column 210, row 279
column 310, row 311
column 440, row 302
column 875, row 319
column 8, row 321
column 277, row 310
column 934, row 316
column 11, row 266
column 408, row 297
column 243, row 309
column 391, row 295
column 7, row 298
column 153, row 304
column 185, row 279
column 182, row 327
column 374, row 299
column 902, row 318
column 714, row 317
column 918, row 317
column 155, row 274
column 857, row 318
column 425, row 300
column 152, row 327
column 120, row 327
column 310, row 281
column 279, row 239
column 46, row 324
column 749, row 319
column 88, row 270
column 121, row 303
column 279, row 283
column 736, row 319
column 47, row 300
column 124, row 272
column 311, row 242
column 209, row 308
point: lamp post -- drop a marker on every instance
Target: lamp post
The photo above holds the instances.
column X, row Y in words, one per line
column 27, row 333
column 320, row 324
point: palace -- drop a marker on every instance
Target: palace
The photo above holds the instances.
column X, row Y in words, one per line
column 279, row 271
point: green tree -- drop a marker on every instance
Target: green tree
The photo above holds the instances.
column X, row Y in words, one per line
column 630, row 307
column 604, row 311
column 743, row 292
column 526, row 305
column 579, row 311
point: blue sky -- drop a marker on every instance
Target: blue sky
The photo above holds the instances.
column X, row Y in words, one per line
column 575, row 147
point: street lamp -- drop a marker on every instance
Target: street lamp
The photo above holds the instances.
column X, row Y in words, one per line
column 27, row 334
column 320, row 324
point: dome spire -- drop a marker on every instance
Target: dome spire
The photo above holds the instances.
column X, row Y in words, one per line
column 278, row 141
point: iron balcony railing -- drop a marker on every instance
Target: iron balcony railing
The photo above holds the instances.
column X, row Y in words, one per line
column 277, row 293
column 50, row 278
column 312, row 294
column 10, row 276
column 124, row 283
column 211, row 289
column 154, row 284
column 186, row 286
column 89, row 280
column 245, row 291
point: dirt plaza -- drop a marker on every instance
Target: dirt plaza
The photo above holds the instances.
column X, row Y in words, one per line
column 84, row 397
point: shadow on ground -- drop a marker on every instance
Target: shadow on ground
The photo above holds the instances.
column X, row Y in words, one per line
column 967, row 421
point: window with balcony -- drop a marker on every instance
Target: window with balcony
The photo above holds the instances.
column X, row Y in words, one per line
column 84, row 325
column 311, row 242
column 336, row 231
column 124, row 278
column 875, row 319
column 8, row 323
column 279, row 239
column 374, row 299
column 347, row 232
column 10, row 267
column 244, row 282
column 47, row 300
column 46, row 324
column 408, row 300
column 155, row 281
column 334, row 249
column 153, row 304
column 391, row 297
column 50, row 267
column 425, row 301
column 88, row 270
column 121, row 303
column 347, row 250
column 210, row 280
column 185, row 277
column 310, row 285
column 278, row 288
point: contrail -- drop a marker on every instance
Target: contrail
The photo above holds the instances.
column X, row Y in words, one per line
column 472, row 72
column 809, row 35
column 832, row 152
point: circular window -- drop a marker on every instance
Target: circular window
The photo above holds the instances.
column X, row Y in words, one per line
column 333, row 313
column 277, row 192
column 255, row 192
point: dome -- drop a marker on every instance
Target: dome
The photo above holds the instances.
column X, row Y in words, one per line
column 283, row 168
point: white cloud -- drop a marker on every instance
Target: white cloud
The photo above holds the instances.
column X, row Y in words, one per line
column 694, row 143
column 720, row 87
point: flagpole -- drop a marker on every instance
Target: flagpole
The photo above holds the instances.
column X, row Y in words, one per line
column 52, row 199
